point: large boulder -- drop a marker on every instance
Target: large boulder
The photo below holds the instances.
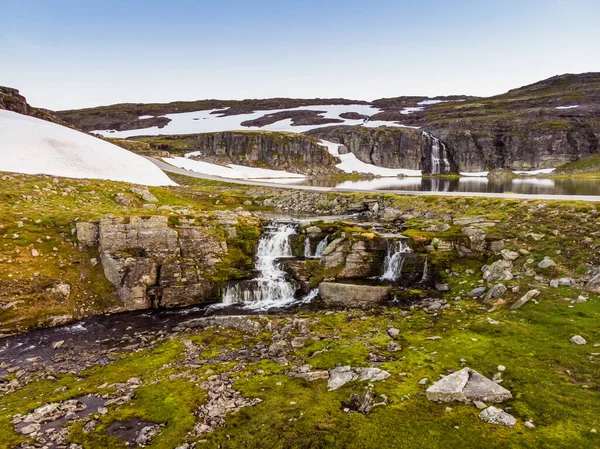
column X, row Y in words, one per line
column 498, row 271
column 352, row 296
column 594, row 284
column 467, row 385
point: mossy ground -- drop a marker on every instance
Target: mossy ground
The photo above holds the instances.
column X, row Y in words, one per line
column 554, row 383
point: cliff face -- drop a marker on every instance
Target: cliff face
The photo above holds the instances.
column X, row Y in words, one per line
column 279, row 151
column 392, row 147
column 521, row 146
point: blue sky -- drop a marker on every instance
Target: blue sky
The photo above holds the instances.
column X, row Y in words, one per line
column 67, row 54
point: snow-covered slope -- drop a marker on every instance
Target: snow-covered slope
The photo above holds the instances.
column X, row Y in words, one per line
column 33, row 146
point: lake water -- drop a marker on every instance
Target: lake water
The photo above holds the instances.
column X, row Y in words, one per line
column 532, row 186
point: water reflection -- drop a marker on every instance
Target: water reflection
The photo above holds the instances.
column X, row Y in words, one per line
column 532, row 186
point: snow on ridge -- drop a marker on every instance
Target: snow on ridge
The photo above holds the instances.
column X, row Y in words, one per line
column 142, row 117
column 205, row 121
column 33, row 146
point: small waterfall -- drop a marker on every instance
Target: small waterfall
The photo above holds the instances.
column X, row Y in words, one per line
column 439, row 155
column 270, row 288
column 425, row 276
column 318, row 251
column 394, row 259
column 321, row 247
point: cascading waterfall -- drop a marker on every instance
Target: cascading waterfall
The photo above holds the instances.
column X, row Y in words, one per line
column 270, row 288
column 394, row 259
column 439, row 155
column 425, row 276
column 318, row 251
column 321, row 247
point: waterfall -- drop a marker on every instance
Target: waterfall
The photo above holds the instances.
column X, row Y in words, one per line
column 425, row 276
column 270, row 288
column 321, row 247
column 394, row 259
column 307, row 248
column 439, row 155
column 318, row 251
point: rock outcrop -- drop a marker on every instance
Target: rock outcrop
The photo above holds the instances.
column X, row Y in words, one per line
column 355, row 258
column 391, row 147
column 352, row 295
column 152, row 264
column 275, row 150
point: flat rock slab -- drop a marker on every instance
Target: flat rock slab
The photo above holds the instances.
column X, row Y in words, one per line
column 352, row 295
column 494, row 415
column 467, row 385
column 344, row 374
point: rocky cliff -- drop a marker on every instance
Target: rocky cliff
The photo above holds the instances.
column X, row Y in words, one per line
column 392, row 147
column 152, row 264
column 275, row 150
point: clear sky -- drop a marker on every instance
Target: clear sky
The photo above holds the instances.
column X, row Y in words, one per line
column 75, row 53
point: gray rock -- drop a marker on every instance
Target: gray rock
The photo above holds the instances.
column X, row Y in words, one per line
column 524, row 299
column 146, row 435
column 578, row 340
column 498, row 271
column 340, row 376
column 442, row 287
column 493, row 415
column 477, row 292
column 508, row 254
column 147, row 196
column 87, row 234
column 594, row 284
column 467, row 385
column 493, row 293
column 393, row 332
column 362, row 403
column 497, row 245
column 352, row 296
column 546, row 263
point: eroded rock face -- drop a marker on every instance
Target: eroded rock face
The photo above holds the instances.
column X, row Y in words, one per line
column 358, row 259
column 467, row 385
column 152, row 264
column 352, row 296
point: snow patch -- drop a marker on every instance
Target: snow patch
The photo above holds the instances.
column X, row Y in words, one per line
column 567, row 107
column 142, row 117
column 349, row 163
column 541, row 171
column 33, row 146
column 231, row 171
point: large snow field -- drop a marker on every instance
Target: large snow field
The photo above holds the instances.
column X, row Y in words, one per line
column 34, row 146
column 206, row 122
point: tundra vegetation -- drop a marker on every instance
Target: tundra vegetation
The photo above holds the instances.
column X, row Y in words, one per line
column 266, row 380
